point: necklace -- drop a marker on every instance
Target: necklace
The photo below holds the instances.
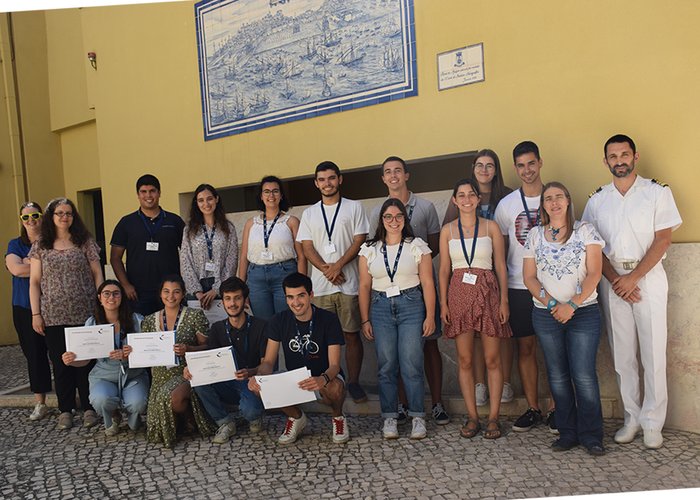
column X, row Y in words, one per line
column 554, row 231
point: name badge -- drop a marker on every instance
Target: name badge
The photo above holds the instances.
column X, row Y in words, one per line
column 393, row 291
column 266, row 254
column 329, row 248
column 151, row 246
column 469, row 279
column 210, row 266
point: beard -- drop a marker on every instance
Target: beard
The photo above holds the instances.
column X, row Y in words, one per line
column 619, row 172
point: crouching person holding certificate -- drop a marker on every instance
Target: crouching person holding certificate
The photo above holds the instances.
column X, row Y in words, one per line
column 113, row 384
column 245, row 336
column 311, row 339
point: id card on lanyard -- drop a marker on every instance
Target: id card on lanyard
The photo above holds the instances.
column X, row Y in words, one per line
column 210, row 265
column 152, row 230
column 392, row 290
column 468, row 277
column 266, row 254
column 329, row 247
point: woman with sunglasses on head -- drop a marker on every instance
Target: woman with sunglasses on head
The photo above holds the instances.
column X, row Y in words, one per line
column 65, row 273
column 172, row 403
column 113, row 384
column 562, row 266
column 397, row 308
column 477, row 300
column 270, row 250
column 32, row 344
column 209, row 252
column 486, row 170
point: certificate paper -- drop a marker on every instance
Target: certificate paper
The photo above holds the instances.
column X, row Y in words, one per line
column 151, row 349
column 90, row 342
column 210, row 367
column 216, row 311
column 282, row 389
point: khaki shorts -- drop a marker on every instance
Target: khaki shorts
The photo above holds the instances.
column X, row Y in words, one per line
column 346, row 307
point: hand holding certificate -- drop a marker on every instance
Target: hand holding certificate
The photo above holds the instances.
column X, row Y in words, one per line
column 210, row 367
column 90, row 342
column 151, row 349
column 282, row 389
column 216, row 311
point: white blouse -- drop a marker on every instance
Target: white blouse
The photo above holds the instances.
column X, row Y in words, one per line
column 407, row 273
column 280, row 242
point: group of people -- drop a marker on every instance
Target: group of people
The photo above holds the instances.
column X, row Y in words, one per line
column 515, row 267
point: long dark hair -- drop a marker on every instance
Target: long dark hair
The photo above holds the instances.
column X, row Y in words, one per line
column 570, row 219
column 173, row 278
column 498, row 188
column 380, row 234
column 197, row 218
column 79, row 234
column 126, row 319
column 284, row 203
column 23, row 236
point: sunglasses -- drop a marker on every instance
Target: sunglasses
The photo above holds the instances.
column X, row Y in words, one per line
column 26, row 217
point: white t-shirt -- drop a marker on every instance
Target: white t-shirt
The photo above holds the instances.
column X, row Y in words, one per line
column 561, row 268
column 423, row 217
column 513, row 221
column 407, row 271
column 351, row 221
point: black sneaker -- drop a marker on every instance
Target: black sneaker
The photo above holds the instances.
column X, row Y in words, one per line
column 527, row 420
column 596, row 450
column 440, row 415
column 403, row 415
column 357, row 393
column 561, row 445
column 551, row 422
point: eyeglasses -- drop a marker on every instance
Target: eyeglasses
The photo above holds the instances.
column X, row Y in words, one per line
column 111, row 293
column 33, row 216
column 61, row 215
column 389, row 217
column 482, row 166
column 268, row 192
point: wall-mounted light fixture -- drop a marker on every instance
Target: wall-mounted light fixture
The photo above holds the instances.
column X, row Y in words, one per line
column 92, row 57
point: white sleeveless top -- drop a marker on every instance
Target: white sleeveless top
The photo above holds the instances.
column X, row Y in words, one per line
column 483, row 258
column 280, row 242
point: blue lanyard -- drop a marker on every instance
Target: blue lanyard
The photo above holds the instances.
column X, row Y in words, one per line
column 209, row 240
column 389, row 272
column 266, row 234
column 165, row 320
column 410, row 212
column 461, row 239
column 238, row 338
column 527, row 211
column 152, row 229
column 304, row 346
column 329, row 230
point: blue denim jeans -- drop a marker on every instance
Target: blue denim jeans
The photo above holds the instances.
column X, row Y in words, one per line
column 105, row 398
column 397, row 323
column 570, row 355
column 265, row 283
column 215, row 396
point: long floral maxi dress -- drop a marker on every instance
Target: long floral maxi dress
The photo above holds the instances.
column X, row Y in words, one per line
column 161, row 419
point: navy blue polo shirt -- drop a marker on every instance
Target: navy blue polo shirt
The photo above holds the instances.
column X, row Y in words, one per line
column 146, row 269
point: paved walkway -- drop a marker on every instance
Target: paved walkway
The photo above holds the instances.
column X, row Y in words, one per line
column 37, row 461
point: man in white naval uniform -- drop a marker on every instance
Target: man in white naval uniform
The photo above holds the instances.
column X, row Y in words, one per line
column 635, row 216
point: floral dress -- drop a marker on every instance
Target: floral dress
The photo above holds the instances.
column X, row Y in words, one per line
column 161, row 419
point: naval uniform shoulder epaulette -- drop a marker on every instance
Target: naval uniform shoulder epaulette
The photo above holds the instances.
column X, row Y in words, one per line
column 596, row 191
column 662, row 184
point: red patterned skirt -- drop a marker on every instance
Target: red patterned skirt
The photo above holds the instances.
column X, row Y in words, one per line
column 475, row 307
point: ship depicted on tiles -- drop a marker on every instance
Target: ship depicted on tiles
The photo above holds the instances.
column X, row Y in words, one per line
column 267, row 62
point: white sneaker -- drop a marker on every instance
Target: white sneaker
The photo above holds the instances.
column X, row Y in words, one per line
column 292, row 429
column 224, row 433
column 40, row 411
column 418, row 431
column 653, row 439
column 341, row 433
column 507, row 395
column 390, row 429
column 482, row 395
column 256, row 426
column 627, row 433
column 113, row 430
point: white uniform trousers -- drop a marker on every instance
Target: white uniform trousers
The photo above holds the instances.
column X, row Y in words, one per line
column 641, row 326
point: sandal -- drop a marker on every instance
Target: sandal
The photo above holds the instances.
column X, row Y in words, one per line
column 469, row 432
column 492, row 433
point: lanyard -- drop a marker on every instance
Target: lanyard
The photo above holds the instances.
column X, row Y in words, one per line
column 410, row 212
column 304, row 346
column 238, row 338
column 461, row 239
column 329, row 231
column 155, row 227
column 389, row 272
column 210, row 240
column 165, row 320
column 535, row 222
column 266, row 233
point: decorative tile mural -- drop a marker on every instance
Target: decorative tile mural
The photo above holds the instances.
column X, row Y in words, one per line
column 268, row 62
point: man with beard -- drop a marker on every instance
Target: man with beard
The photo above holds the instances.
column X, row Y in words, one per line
column 331, row 233
column 245, row 334
column 635, row 217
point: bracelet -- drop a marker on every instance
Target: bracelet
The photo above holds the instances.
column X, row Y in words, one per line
column 572, row 304
column 36, row 314
column 326, row 378
column 366, row 321
column 552, row 302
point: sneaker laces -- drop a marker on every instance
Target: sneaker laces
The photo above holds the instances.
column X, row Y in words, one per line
column 338, row 425
column 288, row 427
column 437, row 409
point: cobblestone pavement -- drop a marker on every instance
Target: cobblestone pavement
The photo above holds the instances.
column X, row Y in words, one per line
column 37, row 461
column 13, row 367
